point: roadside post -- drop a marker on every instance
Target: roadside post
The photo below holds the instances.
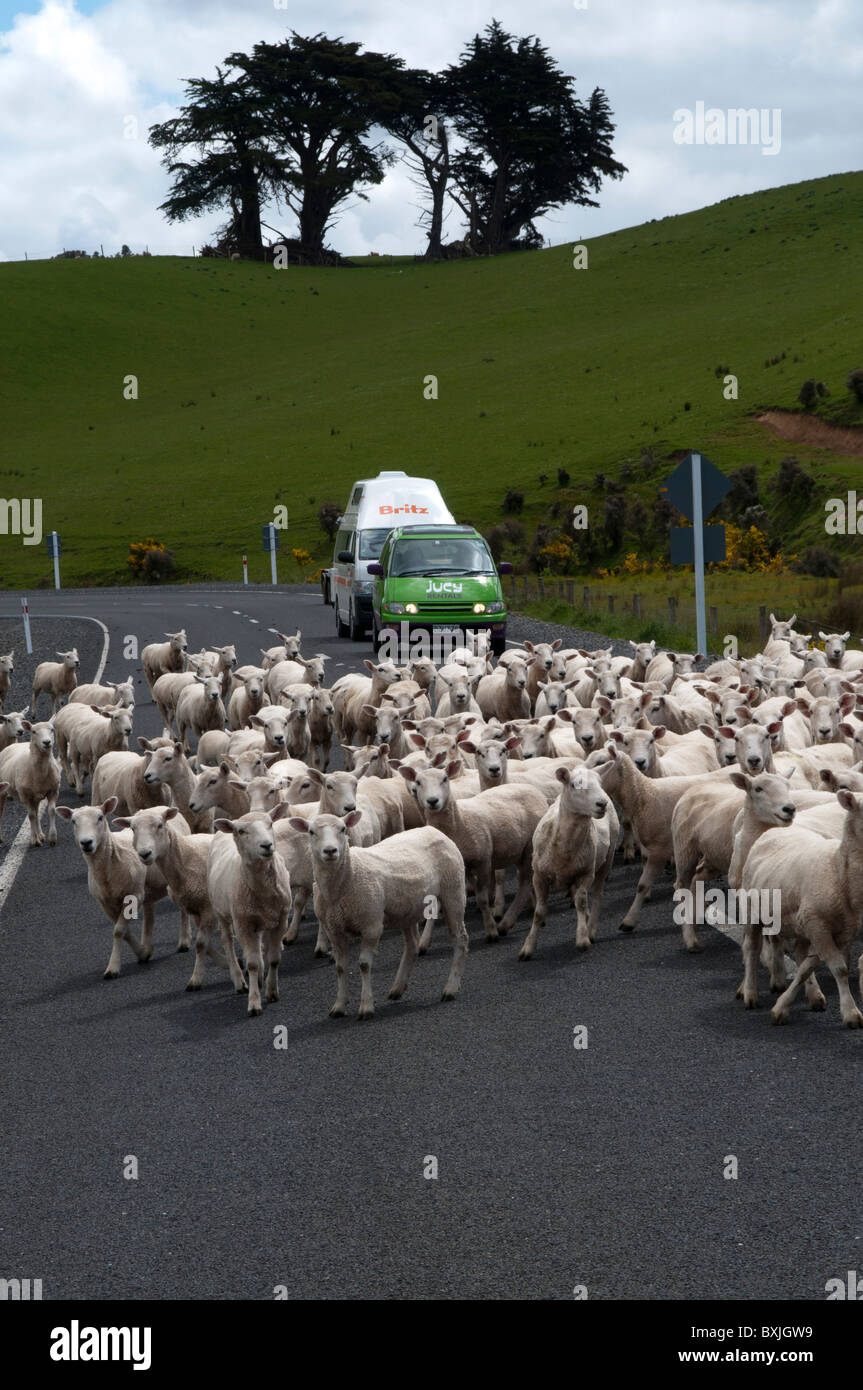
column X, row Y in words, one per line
column 245, row 569
column 53, row 547
column 270, row 536
column 25, row 612
column 695, row 488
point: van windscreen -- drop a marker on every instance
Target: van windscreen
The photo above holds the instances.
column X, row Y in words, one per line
column 440, row 555
column 372, row 543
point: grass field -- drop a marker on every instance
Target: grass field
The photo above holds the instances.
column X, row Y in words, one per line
column 258, row 387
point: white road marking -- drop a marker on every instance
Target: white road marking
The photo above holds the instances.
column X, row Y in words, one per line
column 18, row 849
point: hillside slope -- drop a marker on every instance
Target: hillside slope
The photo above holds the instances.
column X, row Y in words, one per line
column 259, row 386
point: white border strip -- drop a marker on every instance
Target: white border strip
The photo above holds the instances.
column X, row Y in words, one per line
column 18, row 849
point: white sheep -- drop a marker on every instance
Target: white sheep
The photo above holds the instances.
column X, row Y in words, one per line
column 55, row 679
column 12, row 727
column 351, row 692
column 112, row 693
column 200, row 708
column 85, row 733
column 246, row 699
column 30, row 773
column 159, row 657
column 250, row 891
column 573, row 850
column 7, row 666
column 360, row 892
column 124, row 776
column 503, row 695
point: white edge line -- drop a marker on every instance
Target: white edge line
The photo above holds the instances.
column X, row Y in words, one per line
column 18, row 849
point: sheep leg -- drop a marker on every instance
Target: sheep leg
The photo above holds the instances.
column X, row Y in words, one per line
column 650, row 872
column 322, row 942
column 822, row 942
column 541, row 886
column 481, row 895
column 3, row 796
column 202, row 945
column 523, row 893
column 406, row 964
column 582, row 924
column 184, row 939
column 598, row 889
column 251, row 944
column 301, row 897
column 814, row 997
column 367, row 1001
column 747, row 990
column 499, row 905
column 340, row 951
column 36, row 836
column 122, row 932
column 237, row 978
column 628, row 842
column 776, row 963
column 274, row 956
column 779, row 1012
column 425, row 938
column 52, row 819
column 687, row 878
column 454, row 918
column 147, row 932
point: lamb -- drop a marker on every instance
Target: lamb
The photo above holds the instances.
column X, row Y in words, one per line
column 504, row 696
column 546, row 665
column 118, row 881
column 587, row 728
column 200, row 708
column 644, row 654
column 168, row 688
column 423, row 671
column 159, row 657
column 124, row 777
column 288, row 651
column 820, row 883
column 246, row 700
column 321, row 726
column 300, row 671
column 7, row 666
column 457, row 697
column 182, row 861
column 86, row 732
column 666, row 666
column 493, row 831
column 55, row 679
column 573, row 849
column 389, row 727
column 30, row 773
column 553, row 696
column 298, row 740
column 250, row 890
column 537, row 738
column 338, row 797
column 834, row 646
column 12, row 727
column 350, row 693
column 360, row 892
column 167, row 767
column 222, row 662
column 113, row 693
column 408, row 695
column 625, row 713
column 825, row 717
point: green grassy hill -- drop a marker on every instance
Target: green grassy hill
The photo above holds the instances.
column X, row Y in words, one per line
column 259, row 387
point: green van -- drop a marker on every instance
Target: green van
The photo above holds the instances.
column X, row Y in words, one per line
column 441, row 580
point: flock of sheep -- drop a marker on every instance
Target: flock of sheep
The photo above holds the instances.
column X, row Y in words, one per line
column 542, row 764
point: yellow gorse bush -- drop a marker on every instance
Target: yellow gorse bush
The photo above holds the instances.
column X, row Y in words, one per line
column 139, row 550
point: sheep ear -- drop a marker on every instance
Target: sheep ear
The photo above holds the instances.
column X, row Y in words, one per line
column 225, row 768
column 845, row 636
column 406, row 771
column 299, row 823
column 550, row 723
column 453, row 768
column 847, row 800
column 257, row 721
column 562, row 774
column 828, row 777
column 726, row 732
column 774, row 727
column 64, row 812
column 238, row 783
column 170, row 813
column 845, row 728
column 616, row 735
column 369, row 665
column 122, row 822
column 706, row 730
column 565, row 714
column 110, row 805
column 144, row 743
column 738, row 779
column 659, row 731
column 823, row 636
column 352, row 819
column 278, row 811
column 512, row 742
column 418, row 740
column 223, row 824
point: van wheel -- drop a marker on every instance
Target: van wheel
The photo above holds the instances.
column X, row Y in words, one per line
column 341, row 628
column 356, row 630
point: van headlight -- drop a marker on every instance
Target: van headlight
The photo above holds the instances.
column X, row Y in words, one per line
column 366, row 586
column 411, row 608
column 395, row 608
column 496, row 607
column 479, row 608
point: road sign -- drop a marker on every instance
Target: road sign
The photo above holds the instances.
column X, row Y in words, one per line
column 683, row 545
column 714, row 486
column 695, row 487
column 270, row 536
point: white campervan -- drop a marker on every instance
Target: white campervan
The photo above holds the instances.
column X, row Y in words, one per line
column 374, row 507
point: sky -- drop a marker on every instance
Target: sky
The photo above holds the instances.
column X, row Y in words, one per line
column 82, row 81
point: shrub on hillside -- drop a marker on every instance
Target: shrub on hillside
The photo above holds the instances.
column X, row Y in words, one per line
column 513, row 501
column 562, row 477
column 505, row 533
column 855, row 384
column 150, row 559
column 819, row 561
column 792, row 481
column 810, row 392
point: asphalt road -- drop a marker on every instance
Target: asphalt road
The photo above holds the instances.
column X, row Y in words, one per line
column 557, row 1166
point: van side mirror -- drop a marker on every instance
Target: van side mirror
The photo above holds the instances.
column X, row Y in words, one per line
column 375, row 568
column 504, row 567
column 345, row 557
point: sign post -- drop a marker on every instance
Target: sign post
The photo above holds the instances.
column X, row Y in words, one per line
column 695, row 488
column 270, row 536
column 25, row 610
column 53, row 547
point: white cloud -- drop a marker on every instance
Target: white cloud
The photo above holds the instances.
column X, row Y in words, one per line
column 68, row 83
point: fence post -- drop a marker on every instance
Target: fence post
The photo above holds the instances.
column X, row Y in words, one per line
column 762, row 623
column 714, row 619
column 587, row 597
column 541, row 586
column 636, row 605
column 524, row 593
column 672, row 610
column 560, row 592
column 570, row 591
column 611, row 603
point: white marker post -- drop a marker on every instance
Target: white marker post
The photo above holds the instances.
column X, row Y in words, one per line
column 698, row 542
column 56, row 548
column 25, row 609
column 273, row 536
column 245, row 570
